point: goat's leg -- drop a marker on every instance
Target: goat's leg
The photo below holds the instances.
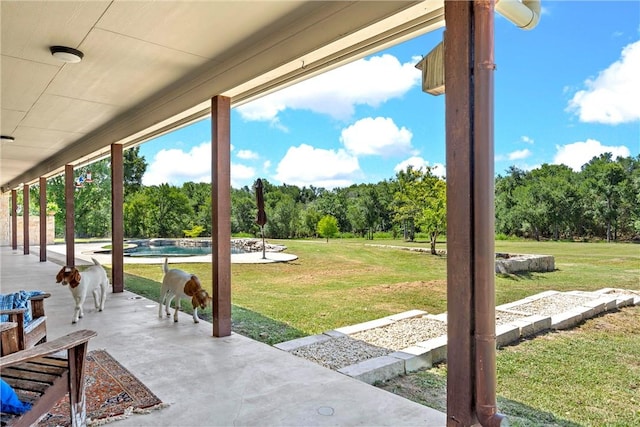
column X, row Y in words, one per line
column 167, row 307
column 78, row 313
column 103, row 296
column 96, row 300
column 163, row 298
column 177, row 307
column 195, row 315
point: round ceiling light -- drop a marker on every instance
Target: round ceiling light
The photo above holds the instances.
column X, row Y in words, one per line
column 7, row 138
column 66, row 54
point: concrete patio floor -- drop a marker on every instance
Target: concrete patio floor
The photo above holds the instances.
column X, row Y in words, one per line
column 207, row 381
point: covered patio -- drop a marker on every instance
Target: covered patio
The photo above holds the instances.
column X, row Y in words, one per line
column 210, row 381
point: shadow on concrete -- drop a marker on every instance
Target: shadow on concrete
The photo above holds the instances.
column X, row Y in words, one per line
column 243, row 321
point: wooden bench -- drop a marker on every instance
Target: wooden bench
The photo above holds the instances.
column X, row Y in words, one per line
column 42, row 378
column 35, row 331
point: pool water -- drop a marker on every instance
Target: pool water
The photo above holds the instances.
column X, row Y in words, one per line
column 173, row 251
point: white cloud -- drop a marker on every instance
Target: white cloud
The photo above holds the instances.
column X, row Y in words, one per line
column 519, row 154
column 612, row 97
column 175, row 167
column 266, row 165
column 526, row 139
column 305, row 165
column 370, row 82
column 379, row 136
column 577, row 154
column 241, row 174
column 438, row 169
column 247, row 154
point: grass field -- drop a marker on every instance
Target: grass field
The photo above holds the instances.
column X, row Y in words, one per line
column 348, row 281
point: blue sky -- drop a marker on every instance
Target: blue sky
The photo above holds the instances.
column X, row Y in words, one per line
column 565, row 91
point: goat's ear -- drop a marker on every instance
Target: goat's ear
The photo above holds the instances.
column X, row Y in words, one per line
column 76, row 276
column 59, row 275
column 204, row 295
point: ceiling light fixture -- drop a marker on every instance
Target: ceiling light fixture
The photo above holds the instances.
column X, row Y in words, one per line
column 7, row 138
column 66, row 54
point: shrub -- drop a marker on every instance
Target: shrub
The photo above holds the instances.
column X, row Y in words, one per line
column 194, row 232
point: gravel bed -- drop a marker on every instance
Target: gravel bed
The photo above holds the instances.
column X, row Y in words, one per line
column 339, row 352
column 403, row 333
column 552, row 305
column 504, row 317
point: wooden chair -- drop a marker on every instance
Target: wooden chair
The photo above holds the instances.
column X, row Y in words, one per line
column 40, row 377
column 27, row 335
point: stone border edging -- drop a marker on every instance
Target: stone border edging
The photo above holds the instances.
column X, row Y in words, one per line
column 426, row 353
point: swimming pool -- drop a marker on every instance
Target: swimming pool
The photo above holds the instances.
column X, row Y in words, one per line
column 173, row 251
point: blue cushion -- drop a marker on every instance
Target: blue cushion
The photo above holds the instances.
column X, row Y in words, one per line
column 6, row 303
column 11, row 404
column 21, row 300
column 18, row 299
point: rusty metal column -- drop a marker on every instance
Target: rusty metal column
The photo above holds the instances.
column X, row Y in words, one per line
column 14, row 219
column 69, row 203
column 25, row 218
column 221, row 214
column 484, row 214
column 43, row 219
column 117, row 221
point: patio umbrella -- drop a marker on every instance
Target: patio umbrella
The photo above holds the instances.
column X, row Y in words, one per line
column 261, row 219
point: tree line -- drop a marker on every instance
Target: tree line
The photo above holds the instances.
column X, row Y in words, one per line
column 601, row 200
column 550, row 202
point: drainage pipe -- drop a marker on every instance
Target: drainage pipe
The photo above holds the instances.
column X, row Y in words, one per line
column 484, row 216
column 525, row 14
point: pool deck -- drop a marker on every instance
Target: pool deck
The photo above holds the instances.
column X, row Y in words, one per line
column 86, row 251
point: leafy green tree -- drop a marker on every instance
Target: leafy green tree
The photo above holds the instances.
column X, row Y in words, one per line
column 199, row 195
column 554, row 193
column 433, row 217
column 508, row 220
column 630, row 196
column 356, row 214
column 134, row 166
column 138, row 215
column 310, row 218
column 384, row 195
column 172, row 211
column 602, row 188
column 328, row 227
column 243, row 211
column 284, row 220
column 363, row 209
column 406, row 204
column 93, row 200
column 334, row 203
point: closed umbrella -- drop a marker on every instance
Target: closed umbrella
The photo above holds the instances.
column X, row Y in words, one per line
column 261, row 219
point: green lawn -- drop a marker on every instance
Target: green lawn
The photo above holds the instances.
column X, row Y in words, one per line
column 348, row 281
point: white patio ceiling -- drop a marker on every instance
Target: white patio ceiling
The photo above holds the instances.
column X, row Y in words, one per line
column 151, row 66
